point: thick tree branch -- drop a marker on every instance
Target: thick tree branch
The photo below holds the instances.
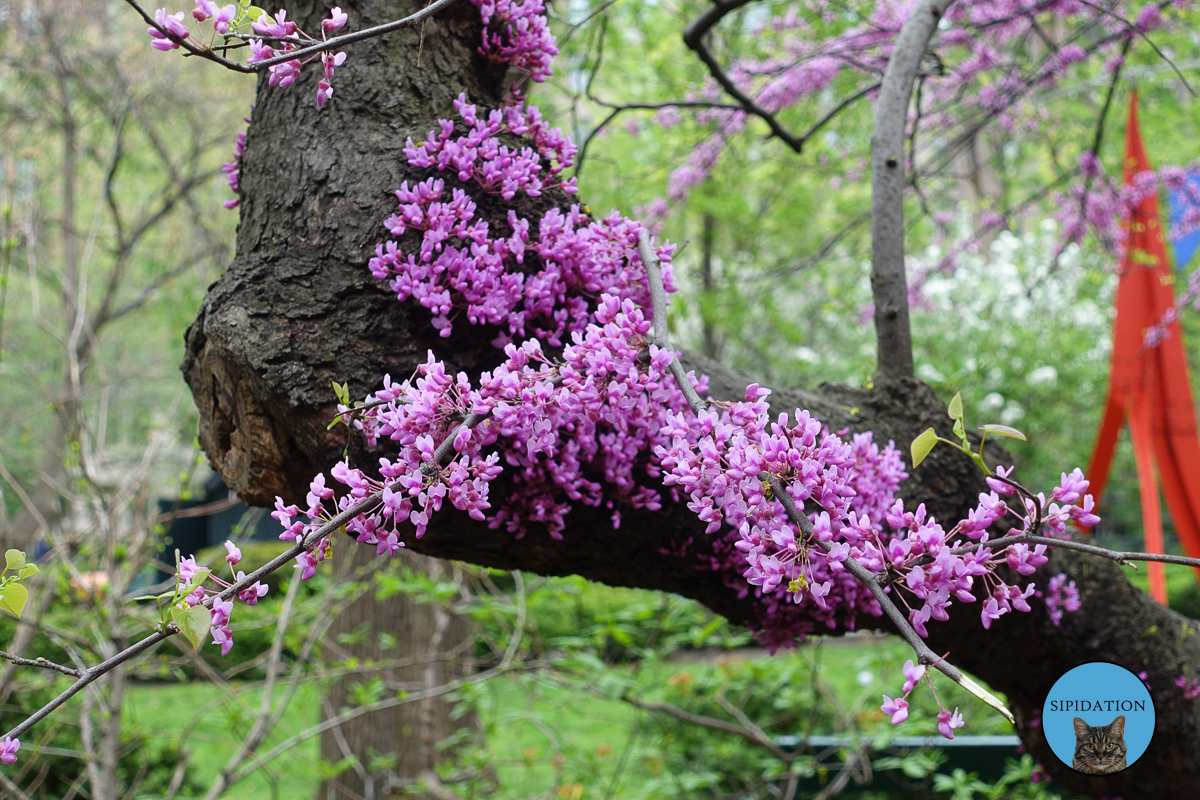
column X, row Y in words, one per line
column 889, row 283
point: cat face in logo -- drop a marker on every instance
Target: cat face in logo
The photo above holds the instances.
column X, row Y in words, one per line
column 1099, row 749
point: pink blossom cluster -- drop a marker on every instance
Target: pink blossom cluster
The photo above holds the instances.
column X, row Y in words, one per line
column 8, row 750
column 540, row 280
column 1191, row 689
column 278, row 37
column 517, row 33
column 481, row 157
column 897, row 709
column 287, row 37
column 1061, row 596
column 597, row 410
column 221, row 609
column 234, row 168
column 1103, row 207
column 719, row 459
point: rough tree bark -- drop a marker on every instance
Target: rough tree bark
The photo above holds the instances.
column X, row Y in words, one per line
column 298, row 309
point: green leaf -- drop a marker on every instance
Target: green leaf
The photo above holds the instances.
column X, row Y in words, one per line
column 343, row 393
column 960, row 430
column 956, row 411
column 13, row 598
column 28, row 571
column 1004, row 430
column 14, row 560
column 922, row 445
column 193, row 623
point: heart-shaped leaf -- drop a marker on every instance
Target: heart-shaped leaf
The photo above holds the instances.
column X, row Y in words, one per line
column 922, row 445
column 14, row 560
column 193, row 623
column 955, row 409
column 13, row 598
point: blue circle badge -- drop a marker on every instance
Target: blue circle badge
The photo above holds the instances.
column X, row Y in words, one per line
column 1098, row 718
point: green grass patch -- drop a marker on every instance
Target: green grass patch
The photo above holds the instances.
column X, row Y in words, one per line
column 214, row 723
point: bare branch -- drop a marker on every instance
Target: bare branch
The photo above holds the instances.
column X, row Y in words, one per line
column 40, row 662
column 693, row 37
column 191, row 47
column 754, row 736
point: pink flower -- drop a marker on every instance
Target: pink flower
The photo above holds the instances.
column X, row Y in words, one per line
column 251, row 593
column 329, row 61
column 259, row 51
column 8, row 750
column 991, row 611
column 234, row 554
column 307, row 563
column 324, row 93
column 172, row 24
column 335, row 22
column 947, row 722
column 280, row 27
column 898, row 709
column 912, row 674
column 285, row 74
column 222, row 17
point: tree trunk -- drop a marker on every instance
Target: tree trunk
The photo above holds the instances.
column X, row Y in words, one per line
column 429, row 647
column 298, row 309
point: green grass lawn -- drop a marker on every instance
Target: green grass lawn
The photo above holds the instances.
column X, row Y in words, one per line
column 546, row 734
column 212, row 727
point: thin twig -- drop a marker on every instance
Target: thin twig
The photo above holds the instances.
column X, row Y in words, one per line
column 410, row 21
column 661, row 337
column 40, row 662
column 442, row 452
column 1118, row 556
column 11, row 790
column 693, row 37
column 1138, row 31
column 754, row 737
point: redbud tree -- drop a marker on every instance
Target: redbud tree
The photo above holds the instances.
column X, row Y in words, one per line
column 505, row 390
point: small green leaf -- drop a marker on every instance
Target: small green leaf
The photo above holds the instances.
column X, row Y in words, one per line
column 343, row 392
column 1004, row 430
column 146, row 597
column 960, row 430
column 922, row 445
column 13, row 598
column 193, row 623
column 956, row 411
column 14, row 560
column 28, row 571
